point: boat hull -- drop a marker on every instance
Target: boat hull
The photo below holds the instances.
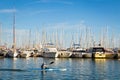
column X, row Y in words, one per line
column 108, row 55
column 98, row 55
column 105, row 55
column 76, row 55
column 86, row 55
column 50, row 54
column 64, row 54
column 12, row 54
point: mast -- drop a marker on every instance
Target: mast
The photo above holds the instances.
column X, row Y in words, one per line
column 14, row 38
column 0, row 33
column 56, row 38
column 29, row 38
column 86, row 37
column 61, row 40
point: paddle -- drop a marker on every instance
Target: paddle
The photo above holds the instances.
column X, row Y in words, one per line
column 44, row 66
column 51, row 62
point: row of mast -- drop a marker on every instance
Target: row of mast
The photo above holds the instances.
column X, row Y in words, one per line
column 86, row 38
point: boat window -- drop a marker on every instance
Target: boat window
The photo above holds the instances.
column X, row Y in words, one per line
column 82, row 51
column 45, row 49
column 98, row 50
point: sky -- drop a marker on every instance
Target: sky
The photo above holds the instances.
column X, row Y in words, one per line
column 66, row 17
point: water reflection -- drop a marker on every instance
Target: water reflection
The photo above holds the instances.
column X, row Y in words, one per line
column 99, row 68
column 100, row 64
column 100, row 61
column 43, row 73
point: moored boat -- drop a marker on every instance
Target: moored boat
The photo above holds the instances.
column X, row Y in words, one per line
column 50, row 50
column 76, row 51
column 64, row 54
column 25, row 54
column 12, row 54
column 101, row 52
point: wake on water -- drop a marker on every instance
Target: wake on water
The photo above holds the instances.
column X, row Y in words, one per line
column 11, row 70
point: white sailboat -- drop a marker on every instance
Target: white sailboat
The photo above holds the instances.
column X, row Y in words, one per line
column 13, row 53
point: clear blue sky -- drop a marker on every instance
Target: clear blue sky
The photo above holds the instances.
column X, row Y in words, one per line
column 61, row 13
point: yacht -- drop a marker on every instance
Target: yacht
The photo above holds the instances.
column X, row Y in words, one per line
column 63, row 53
column 76, row 51
column 49, row 50
column 101, row 52
column 87, row 54
column 26, row 54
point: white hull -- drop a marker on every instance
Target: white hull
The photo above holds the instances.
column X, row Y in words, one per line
column 76, row 55
column 118, row 54
column 12, row 54
column 64, row 54
column 50, row 54
column 25, row 54
column 87, row 55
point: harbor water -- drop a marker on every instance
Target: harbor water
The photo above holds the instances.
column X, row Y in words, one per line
column 76, row 69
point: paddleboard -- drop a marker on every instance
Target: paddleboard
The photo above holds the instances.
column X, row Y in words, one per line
column 50, row 69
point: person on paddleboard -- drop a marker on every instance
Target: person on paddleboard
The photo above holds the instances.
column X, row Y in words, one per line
column 44, row 66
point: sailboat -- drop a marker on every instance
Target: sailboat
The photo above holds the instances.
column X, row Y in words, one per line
column 13, row 53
